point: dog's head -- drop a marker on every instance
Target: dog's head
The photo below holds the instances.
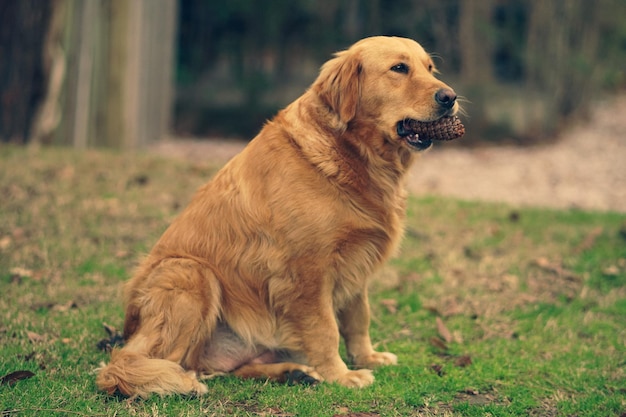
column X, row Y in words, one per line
column 385, row 81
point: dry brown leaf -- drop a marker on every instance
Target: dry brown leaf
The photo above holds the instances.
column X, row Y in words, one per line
column 115, row 339
column 67, row 173
column 391, row 305
column 34, row 337
column 18, row 233
column 511, row 280
column 121, row 254
column 589, row 240
column 542, row 263
column 21, row 272
column 5, row 242
column 276, row 412
column 438, row 369
column 348, row 414
column 451, row 308
column 463, row 361
column 611, row 271
column 405, row 332
column 443, row 331
column 360, row 415
column 13, row 377
column 556, row 268
column 65, row 307
column 431, row 308
column 112, row 331
column 438, row 343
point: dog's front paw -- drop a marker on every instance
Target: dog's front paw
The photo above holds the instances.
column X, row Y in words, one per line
column 356, row 379
column 376, row 359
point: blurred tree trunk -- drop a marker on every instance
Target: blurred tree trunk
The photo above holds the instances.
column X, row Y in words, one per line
column 444, row 16
column 109, row 65
column 560, row 58
column 22, row 28
column 476, row 52
column 475, row 43
column 54, row 66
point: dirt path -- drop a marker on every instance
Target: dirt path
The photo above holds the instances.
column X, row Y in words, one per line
column 585, row 169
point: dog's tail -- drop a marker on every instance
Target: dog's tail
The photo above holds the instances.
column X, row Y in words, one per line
column 168, row 323
column 134, row 374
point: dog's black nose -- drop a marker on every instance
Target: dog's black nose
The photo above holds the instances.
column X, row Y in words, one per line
column 445, row 98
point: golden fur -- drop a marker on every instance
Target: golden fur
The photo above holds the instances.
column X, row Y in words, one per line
column 268, row 265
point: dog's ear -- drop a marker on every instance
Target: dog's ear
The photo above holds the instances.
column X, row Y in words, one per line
column 339, row 84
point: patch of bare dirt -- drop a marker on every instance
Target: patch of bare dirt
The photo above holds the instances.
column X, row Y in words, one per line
column 585, row 168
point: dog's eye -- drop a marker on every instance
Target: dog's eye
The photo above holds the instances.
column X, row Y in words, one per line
column 430, row 67
column 402, row 68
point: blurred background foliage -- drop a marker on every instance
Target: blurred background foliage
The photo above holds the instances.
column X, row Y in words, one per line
column 525, row 67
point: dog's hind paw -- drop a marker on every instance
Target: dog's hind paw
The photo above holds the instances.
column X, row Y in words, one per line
column 298, row 376
column 196, row 387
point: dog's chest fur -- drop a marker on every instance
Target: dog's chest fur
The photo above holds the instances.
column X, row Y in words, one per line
column 342, row 232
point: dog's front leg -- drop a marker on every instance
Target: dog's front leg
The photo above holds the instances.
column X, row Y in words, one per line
column 354, row 321
column 317, row 339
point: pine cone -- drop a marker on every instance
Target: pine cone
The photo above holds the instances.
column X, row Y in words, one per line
column 446, row 128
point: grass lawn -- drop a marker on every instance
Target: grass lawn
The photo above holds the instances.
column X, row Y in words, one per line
column 492, row 310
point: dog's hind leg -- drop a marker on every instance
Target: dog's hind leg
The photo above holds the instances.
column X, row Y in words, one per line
column 176, row 308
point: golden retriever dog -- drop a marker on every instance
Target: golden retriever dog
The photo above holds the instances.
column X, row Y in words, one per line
column 268, row 266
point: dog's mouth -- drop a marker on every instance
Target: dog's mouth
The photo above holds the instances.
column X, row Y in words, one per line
column 420, row 135
column 411, row 138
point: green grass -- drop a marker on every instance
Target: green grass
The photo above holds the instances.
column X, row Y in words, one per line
column 533, row 301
